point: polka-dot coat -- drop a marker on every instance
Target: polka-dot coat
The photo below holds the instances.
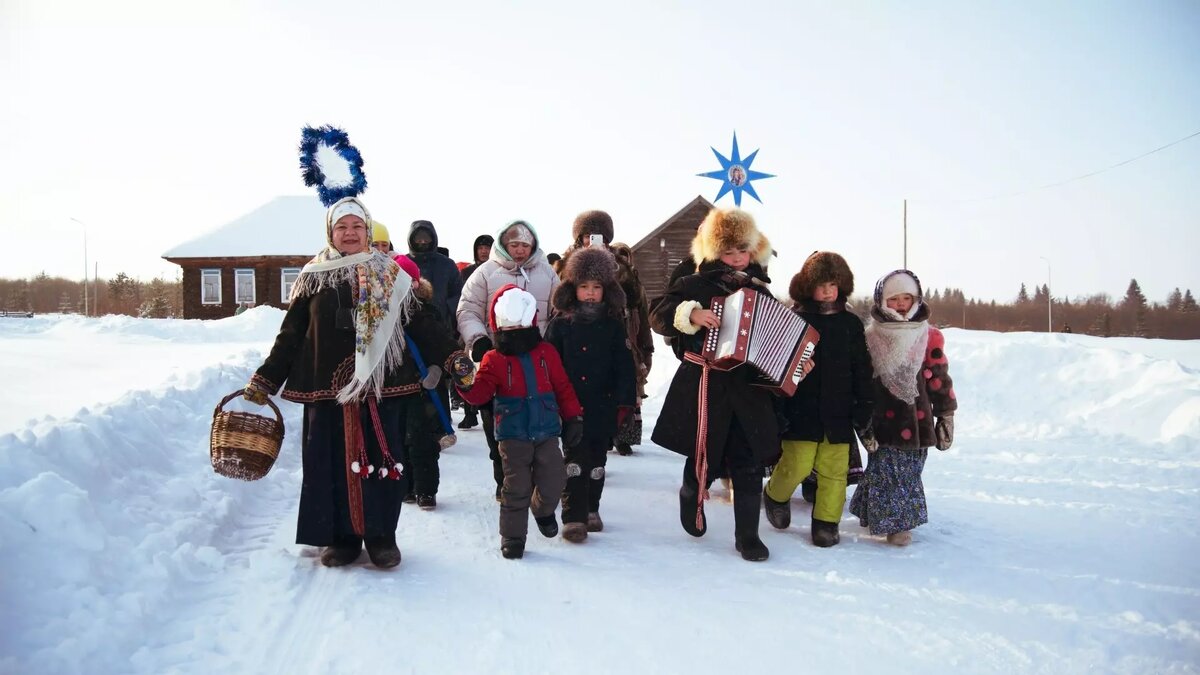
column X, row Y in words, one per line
column 905, row 426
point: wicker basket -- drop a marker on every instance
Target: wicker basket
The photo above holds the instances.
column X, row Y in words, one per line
column 244, row 445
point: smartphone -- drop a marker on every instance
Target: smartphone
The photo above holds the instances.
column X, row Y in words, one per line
column 596, row 240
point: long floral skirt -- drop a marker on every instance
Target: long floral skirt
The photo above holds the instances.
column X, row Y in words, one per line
column 891, row 498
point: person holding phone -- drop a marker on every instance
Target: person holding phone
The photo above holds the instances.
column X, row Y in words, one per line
column 594, row 229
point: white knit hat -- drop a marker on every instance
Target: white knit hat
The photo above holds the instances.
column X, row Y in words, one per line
column 898, row 284
column 514, row 308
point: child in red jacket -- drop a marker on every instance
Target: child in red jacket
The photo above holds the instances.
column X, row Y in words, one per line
column 528, row 423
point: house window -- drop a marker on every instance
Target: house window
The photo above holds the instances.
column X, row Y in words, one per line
column 210, row 287
column 288, row 276
column 244, row 286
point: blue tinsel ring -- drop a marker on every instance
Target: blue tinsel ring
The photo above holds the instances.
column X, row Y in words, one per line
column 311, row 170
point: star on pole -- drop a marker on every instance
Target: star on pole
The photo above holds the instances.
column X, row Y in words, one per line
column 735, row 174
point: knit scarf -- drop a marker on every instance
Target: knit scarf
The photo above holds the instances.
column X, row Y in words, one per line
column 382, row 302
column 897, row 350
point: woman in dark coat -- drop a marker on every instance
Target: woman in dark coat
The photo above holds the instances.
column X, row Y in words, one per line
column 589, row 334
column 742, row 433
column 340, row 351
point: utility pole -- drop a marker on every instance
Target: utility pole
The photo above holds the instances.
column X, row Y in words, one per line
column 905, row 234
column 1049, row 298
column 85, row 266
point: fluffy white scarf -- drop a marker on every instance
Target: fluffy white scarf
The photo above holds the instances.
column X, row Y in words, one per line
column 382, row 296
column 897, row 350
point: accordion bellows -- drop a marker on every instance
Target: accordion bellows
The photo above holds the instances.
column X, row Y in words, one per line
column 759, row 331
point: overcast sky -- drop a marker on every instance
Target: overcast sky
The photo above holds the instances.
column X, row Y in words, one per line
column 153, row 122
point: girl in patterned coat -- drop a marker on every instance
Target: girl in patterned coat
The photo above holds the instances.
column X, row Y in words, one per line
column 912, row 389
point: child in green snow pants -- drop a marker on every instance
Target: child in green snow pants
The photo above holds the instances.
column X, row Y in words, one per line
column 831, row 460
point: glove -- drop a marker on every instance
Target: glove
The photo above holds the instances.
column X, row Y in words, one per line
column 255, row 394
column 462, row 371
column 624, row 417
column 433, row 376
column 867, row 438
column 944, row 432
column 573, row 432
column 481, row 346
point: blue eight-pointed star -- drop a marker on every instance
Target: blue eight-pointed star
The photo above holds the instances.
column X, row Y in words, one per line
column 735, row 174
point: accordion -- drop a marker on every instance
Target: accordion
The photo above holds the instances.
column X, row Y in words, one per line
column 759, row 331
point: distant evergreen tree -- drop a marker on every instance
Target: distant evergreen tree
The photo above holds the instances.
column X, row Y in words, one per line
column 1189, row 303
column 1175, row 300
column 1039, row 295
column 157, row 306
column 123, row 293
column 1023, row 296
column 1134, row 296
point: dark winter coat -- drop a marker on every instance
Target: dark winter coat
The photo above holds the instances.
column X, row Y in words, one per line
column 596, row 356
column 637, row 310
column 730, row 394
column 441, row 272
column 312, row 359
column 837, row 396
column 905, row 426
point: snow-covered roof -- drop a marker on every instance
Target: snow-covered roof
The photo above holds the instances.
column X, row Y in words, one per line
column 285, row 226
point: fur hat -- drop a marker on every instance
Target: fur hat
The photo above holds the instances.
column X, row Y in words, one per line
column 592, row 222
column 589, row 264
column 729, row 228
column 822, row 267
column 512, row 308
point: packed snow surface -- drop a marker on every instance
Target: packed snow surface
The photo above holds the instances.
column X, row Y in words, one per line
column 1062, row 537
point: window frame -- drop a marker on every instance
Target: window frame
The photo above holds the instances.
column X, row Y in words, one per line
column 237, row 274
column 285, row 290
column 208, row 272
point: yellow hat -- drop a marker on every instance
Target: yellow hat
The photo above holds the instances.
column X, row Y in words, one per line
column 379, row 233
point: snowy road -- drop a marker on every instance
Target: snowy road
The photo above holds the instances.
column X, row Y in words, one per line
column 1061, row 539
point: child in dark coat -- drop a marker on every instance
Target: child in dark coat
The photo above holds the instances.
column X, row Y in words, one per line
column 533, row 397
column 735, row 420
column 830, row 404
column 589, row 334
column 912, row 388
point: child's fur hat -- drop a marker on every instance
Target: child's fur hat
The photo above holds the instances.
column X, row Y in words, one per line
column 822, row 267
column 592, row 222
column 729, row 228
column 590, row 264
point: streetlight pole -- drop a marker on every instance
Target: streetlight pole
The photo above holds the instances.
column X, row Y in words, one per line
column 85, row 280
column 1049, row 298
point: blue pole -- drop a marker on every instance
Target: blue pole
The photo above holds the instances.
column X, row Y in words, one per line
column 432, row 394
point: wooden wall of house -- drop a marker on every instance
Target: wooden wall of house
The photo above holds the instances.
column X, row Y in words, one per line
column 267, row 283
column 656, row 258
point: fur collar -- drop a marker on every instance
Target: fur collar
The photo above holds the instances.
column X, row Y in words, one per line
column 517, row 341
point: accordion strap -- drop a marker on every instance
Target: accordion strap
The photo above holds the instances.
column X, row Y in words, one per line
column 701, row 435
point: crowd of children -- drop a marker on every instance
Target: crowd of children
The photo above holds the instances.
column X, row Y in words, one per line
column 562, row 357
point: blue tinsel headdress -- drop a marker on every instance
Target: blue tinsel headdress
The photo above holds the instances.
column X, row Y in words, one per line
column 331, row 164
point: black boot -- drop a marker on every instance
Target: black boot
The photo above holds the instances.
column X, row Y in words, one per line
column 825, row 534
column 779, row 514
column 469, row 421
column 745, row 523
column 512, row 547
column 383, row 551
column 624, row 449
column 547, row 525
column 341, row 554
column 688, row 508
column 808, row 490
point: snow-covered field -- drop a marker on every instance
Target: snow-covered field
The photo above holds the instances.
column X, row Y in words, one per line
column 1063, row 534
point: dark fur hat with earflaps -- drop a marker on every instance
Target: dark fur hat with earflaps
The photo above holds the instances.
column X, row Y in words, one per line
column 822, row 267
column 590, row 264
column 592, row 222
column 724, row 229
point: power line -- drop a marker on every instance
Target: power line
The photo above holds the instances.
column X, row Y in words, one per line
column 1076, row 178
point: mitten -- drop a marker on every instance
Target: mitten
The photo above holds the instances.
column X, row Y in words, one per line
column 482, row 346
column 462, row 371
column 255, row 393
column 624, row 416
column 867, row 438
column 433, row 375
column 944, row 431
column 573, row 432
